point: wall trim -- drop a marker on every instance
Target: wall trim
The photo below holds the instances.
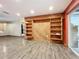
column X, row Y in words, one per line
column 74, row 51
column 68, row 10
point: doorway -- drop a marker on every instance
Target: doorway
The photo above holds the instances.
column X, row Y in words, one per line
column 41, row 30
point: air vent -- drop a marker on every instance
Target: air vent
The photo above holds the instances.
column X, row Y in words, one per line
column 5, row 12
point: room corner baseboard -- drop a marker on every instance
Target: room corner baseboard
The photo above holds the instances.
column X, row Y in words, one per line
column 74, row 51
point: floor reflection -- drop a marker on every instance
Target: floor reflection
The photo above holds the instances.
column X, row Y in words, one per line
column 19, row 48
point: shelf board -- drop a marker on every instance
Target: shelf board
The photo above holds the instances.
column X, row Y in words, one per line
column 56, row 25
column 29, row 33
column 56, row 34
column 55, row 21
column 28, row 30
column 56, row 30
column 55, row 39
column 29, row 24
column 28, row 27
column 29, row 36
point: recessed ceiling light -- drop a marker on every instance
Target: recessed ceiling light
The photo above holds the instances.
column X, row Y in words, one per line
column 1, row 6
column 18, row 14
column 32, row 11
column 18, row 0
column 51, row 8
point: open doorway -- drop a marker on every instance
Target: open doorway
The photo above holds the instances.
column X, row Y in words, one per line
column 74, row 30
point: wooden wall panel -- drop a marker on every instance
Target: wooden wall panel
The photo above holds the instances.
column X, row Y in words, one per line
column 41, row 30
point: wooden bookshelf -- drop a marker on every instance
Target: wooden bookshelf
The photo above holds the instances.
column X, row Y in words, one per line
column 56, row 26
column 56, row 29
column 29, row 30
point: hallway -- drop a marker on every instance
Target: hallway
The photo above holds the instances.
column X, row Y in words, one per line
column 18, row 48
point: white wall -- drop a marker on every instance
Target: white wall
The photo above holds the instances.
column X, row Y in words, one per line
column 13, row 29
column 4, row 32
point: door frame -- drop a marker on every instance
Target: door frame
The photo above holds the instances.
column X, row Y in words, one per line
column 69, row 20
column 74, row 4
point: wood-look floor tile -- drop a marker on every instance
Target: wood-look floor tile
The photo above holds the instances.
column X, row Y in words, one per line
column 19, row 48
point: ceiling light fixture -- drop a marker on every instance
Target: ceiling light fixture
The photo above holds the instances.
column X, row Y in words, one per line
column 18, row 0
column 32, row 11
column 1, row 6
column 51, row 8
column 18, row 14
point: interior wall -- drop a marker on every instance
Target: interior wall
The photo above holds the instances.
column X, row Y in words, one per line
column 3, row 29
column 72, row 5
column 13, row 29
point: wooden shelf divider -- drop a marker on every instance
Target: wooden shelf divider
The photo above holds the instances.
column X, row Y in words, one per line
column 29, row 30
column 56, row 29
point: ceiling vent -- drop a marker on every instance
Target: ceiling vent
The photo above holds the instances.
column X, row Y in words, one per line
column 4, row 12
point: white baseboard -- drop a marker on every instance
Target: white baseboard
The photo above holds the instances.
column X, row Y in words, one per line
column 74, row 51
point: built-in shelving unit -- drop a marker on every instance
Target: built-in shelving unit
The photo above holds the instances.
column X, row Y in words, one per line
column 56, row 28
column 29, row 30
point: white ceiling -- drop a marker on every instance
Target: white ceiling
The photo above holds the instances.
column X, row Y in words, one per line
column 23, row 7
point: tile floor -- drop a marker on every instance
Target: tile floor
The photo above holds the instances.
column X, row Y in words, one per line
column 18, row 48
